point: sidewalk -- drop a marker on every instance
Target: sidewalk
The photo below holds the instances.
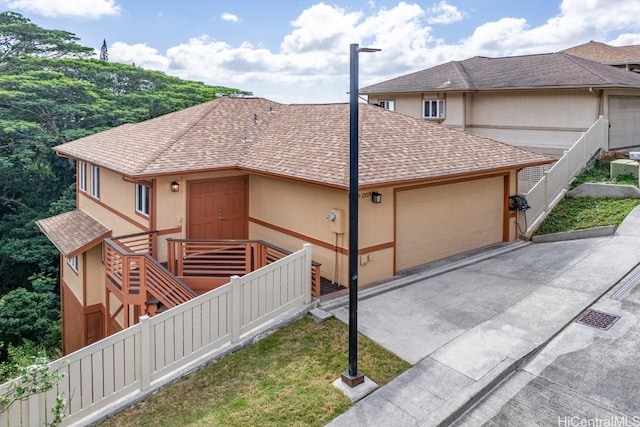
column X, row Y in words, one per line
column 465, row 330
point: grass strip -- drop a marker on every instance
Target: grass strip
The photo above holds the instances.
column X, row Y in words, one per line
column 284, row 379
column 583, row 213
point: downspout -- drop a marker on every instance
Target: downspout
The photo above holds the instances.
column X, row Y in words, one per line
column 464, row 111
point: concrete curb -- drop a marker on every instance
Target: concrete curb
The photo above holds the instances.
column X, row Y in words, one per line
column 598, row 190
column 449, row 413
column 605, row 231
column 455, row 409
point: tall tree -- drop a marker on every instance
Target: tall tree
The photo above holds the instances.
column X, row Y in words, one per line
column 104, row 53
column 19, row 37
column 50, row 94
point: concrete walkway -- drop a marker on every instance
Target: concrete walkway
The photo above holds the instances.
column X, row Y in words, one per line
column 467, row 329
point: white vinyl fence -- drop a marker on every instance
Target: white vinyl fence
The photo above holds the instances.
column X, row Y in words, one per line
column 159, row 348
column 553, row 185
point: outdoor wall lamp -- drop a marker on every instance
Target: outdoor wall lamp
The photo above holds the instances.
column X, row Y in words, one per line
column 376, row 197
column 175, row 187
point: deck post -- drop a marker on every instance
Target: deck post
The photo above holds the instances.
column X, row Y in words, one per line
column 307, row 281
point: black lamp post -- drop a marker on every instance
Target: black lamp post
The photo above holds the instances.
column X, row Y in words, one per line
column 352, row 377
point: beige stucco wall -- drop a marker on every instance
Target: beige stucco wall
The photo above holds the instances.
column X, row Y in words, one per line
column 545, row 120
column 409, row 104
column 170, row 205
column 72, row 278
column 548, row 121
column 288, row 212
column 118, row 195
column 95, row 286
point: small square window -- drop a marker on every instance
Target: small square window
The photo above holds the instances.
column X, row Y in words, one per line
column 142, row 199
column 434, row 108
column 387, row 104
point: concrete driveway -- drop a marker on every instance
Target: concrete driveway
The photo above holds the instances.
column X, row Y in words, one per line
column 416, row 320
column 470, row 327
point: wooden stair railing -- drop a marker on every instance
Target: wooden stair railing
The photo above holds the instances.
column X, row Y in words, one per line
column 164, row 286
column 133, row 274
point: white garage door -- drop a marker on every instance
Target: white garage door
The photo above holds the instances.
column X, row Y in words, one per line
column 624, row 118
column 444, row 220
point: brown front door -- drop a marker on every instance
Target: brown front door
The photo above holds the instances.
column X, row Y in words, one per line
column 218, row 209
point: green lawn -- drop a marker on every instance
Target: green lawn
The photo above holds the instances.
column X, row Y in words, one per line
column 582, row 213
column 284, row 379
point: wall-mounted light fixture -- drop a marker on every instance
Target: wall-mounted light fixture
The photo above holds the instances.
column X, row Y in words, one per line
column 376, row 197
column 175, row 187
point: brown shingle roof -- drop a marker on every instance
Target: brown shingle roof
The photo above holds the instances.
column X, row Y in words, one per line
column 309, row 142
column 550, row 70
column 606, row 54
column 73, row 232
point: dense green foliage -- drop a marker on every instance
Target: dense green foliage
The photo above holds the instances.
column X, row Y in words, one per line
column 50, row 93
column 600, row 172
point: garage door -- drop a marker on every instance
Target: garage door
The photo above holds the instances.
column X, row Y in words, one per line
column 624, row 112
column 444, row 220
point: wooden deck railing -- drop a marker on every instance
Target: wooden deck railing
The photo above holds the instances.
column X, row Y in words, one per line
column 133, row 274
column 225, row 258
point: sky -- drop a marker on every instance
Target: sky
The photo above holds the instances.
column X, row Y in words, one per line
column 297, row 51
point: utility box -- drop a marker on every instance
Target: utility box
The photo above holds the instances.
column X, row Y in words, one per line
column 623, row 167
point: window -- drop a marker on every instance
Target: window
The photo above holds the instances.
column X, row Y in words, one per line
column 82, row 176
column 142, row 199
column 387, row 104
column 73, row 263
column 434, row 108
column 95, row 181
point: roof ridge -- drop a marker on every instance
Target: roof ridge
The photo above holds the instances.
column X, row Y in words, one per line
column 462, row 72
column 181, row 134
column 577, row 60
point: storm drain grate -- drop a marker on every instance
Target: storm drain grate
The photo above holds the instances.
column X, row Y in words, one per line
column 598, row 319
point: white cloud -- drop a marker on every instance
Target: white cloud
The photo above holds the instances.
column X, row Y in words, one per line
column 625, row 40
column 579, row 21
column 91, row 9
column 444, row 13
column 140, row 54
column 312, row 62
column 229, row 17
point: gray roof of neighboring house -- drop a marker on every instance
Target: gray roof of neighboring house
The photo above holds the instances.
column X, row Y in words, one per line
column 306, row 142
column 550, row 70
column 606, row 54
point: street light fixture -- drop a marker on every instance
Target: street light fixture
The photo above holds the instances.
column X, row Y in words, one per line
column 352, row 377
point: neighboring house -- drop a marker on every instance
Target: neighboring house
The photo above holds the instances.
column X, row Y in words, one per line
column 250, row 168
column 542, row 102
column 625, row 57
